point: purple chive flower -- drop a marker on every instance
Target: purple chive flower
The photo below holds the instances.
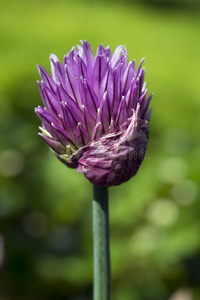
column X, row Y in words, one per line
column 96, row 115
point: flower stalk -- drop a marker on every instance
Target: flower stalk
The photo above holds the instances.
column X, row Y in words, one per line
column 96, row 120
column 102, row 282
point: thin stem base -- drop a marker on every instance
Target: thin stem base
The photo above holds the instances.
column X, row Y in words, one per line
column 102, row 281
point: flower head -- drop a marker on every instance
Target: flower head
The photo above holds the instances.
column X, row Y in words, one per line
column 96, row 116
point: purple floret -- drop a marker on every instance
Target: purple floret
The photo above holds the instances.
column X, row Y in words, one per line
column 96, row 115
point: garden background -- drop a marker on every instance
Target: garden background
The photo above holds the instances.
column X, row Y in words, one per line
column 45, row 208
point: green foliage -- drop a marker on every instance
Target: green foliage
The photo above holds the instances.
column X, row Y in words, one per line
column 45, row 208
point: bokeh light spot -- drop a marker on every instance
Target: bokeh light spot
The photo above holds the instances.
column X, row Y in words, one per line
column 11, row 163
column 144, row 241
column 172, row 169
column 35, row 223
column 185, row 191
column 7, row 203
column 182, row 294
column 176, row 141
column 163, row 212
column 61, row 239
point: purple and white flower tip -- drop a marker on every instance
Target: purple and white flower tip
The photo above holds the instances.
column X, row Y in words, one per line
column 96, row 115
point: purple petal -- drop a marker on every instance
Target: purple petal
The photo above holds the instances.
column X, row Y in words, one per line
column 73, row 106
column 81, row 136
column 139, row 68
column 145, row 113
column 79, row 51
column 52, row 103
column 142, row 97
column 105, row 112
column 112, row 125
column 141, row 81
column 132, row 97
column 88, row 56
column 63, row 136
column 116, row 55
column 124, row 57
column 53, row 144
column 104, row 85
column 89, row 120
column 101, row 51
column 69, row 118
column 110, row 86
column 41, row 89
column 116, row 90
column 53, row 58
column 89, row 98
column 108, row 52
column 47, row 119
column 69, row 58
column 71, row 85
column 99, row 72
column 82, row 70
column 113, row 89
column 97, row 131
column 58, row 71
column 105, row 52
column 46, row 78
column 122, row 113
column 72, row 62
column 129, row 74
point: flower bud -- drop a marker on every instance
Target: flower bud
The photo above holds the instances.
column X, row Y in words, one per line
column 96, row 116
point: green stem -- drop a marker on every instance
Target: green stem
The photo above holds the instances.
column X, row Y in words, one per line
column 101, row 244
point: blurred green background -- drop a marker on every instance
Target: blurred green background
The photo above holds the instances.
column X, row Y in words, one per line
column 45, row 208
